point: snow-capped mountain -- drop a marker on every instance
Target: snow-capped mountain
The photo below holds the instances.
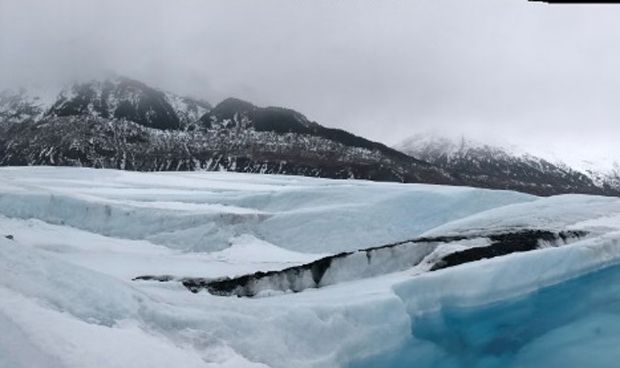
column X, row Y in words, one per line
column 19, row 106
column 603, row 171
column 125, row 124
column 121, row 123
column 508, row 167
column 115, row 98
column 608, row 176
column 126, row 99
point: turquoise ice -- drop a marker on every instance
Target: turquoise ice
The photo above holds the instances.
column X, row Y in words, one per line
column 572, row 324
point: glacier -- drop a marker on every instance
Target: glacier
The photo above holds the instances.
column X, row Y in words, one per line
column 544, row 328
column 72, row 241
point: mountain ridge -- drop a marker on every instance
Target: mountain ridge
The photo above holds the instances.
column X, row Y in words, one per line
column 507, row 163
column 125, row 124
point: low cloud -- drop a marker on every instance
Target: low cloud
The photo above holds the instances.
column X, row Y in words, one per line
column 513, row 70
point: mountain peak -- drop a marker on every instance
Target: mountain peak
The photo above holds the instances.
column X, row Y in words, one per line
column 230, row 106
column 17, row 106
column 435, row 144
column 488, row 163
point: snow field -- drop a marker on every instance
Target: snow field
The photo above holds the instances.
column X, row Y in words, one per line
column 81, row 235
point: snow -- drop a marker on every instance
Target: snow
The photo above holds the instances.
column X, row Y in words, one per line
column 450, row 145
column 202, row 211
column 21, row 105
column 187, row 110
column 80, row 236
column 543, row 213
column 601, row 169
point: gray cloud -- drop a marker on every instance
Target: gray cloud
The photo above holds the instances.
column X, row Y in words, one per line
column 510, row 69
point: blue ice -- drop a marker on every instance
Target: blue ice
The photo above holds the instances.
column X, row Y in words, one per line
column 572, row 324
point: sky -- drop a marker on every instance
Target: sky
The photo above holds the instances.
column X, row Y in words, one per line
column 532, row 74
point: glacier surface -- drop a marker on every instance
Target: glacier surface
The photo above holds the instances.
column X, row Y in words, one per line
column 72, row 240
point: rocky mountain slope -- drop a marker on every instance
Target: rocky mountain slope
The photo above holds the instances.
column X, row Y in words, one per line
column 506, row 167
column 104, row 143
column 20, row 106
column 125, row 124
column 126, row 99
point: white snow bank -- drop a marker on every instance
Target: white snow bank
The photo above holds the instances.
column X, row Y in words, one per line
column 248, row 249
column 127, row 259
column 490, row 280
column 74, row 317
column 201, row 211
column 86, row 294
column 551, row 213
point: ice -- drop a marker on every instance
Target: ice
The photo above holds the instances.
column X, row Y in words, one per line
column 557, row 212
column 80, row 236
column 202, row 211
column 127, row 259
column 571, row 324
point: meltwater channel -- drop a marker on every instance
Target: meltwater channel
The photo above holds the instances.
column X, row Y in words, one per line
column 572, row 324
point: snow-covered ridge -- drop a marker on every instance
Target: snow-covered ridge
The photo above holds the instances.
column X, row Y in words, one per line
column 20, row 106
column 604, row 171
column 123, row 98
column 114, row 98
column 125, row 124
column 512, row 164
column 434, row 144
column 105, row 143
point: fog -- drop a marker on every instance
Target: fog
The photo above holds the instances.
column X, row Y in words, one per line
column 528, row 73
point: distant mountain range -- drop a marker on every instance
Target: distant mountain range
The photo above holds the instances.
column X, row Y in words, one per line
column 509, row 166
column 121, row 123
column 125, row 124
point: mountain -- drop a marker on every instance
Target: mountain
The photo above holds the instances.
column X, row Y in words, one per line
column 505, row 167
column 237, row 114
column 104, row 143
column 116, row 98
column 122, row 123
column 126, row 124
column 277, row 136
column 604, row 171
column 126, row 99
column 20, row 106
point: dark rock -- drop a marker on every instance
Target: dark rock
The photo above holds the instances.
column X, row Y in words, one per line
column 290, row 279
column 161, row 278
column 503, row 244
column 104, row 143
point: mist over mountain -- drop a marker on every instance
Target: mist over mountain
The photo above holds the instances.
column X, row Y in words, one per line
column 253, row 184
column 508, row 164
column 123, row 123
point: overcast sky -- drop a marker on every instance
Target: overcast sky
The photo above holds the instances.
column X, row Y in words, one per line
column 509, row 69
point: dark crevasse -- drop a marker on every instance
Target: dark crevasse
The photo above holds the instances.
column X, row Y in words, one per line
column 572, row 324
